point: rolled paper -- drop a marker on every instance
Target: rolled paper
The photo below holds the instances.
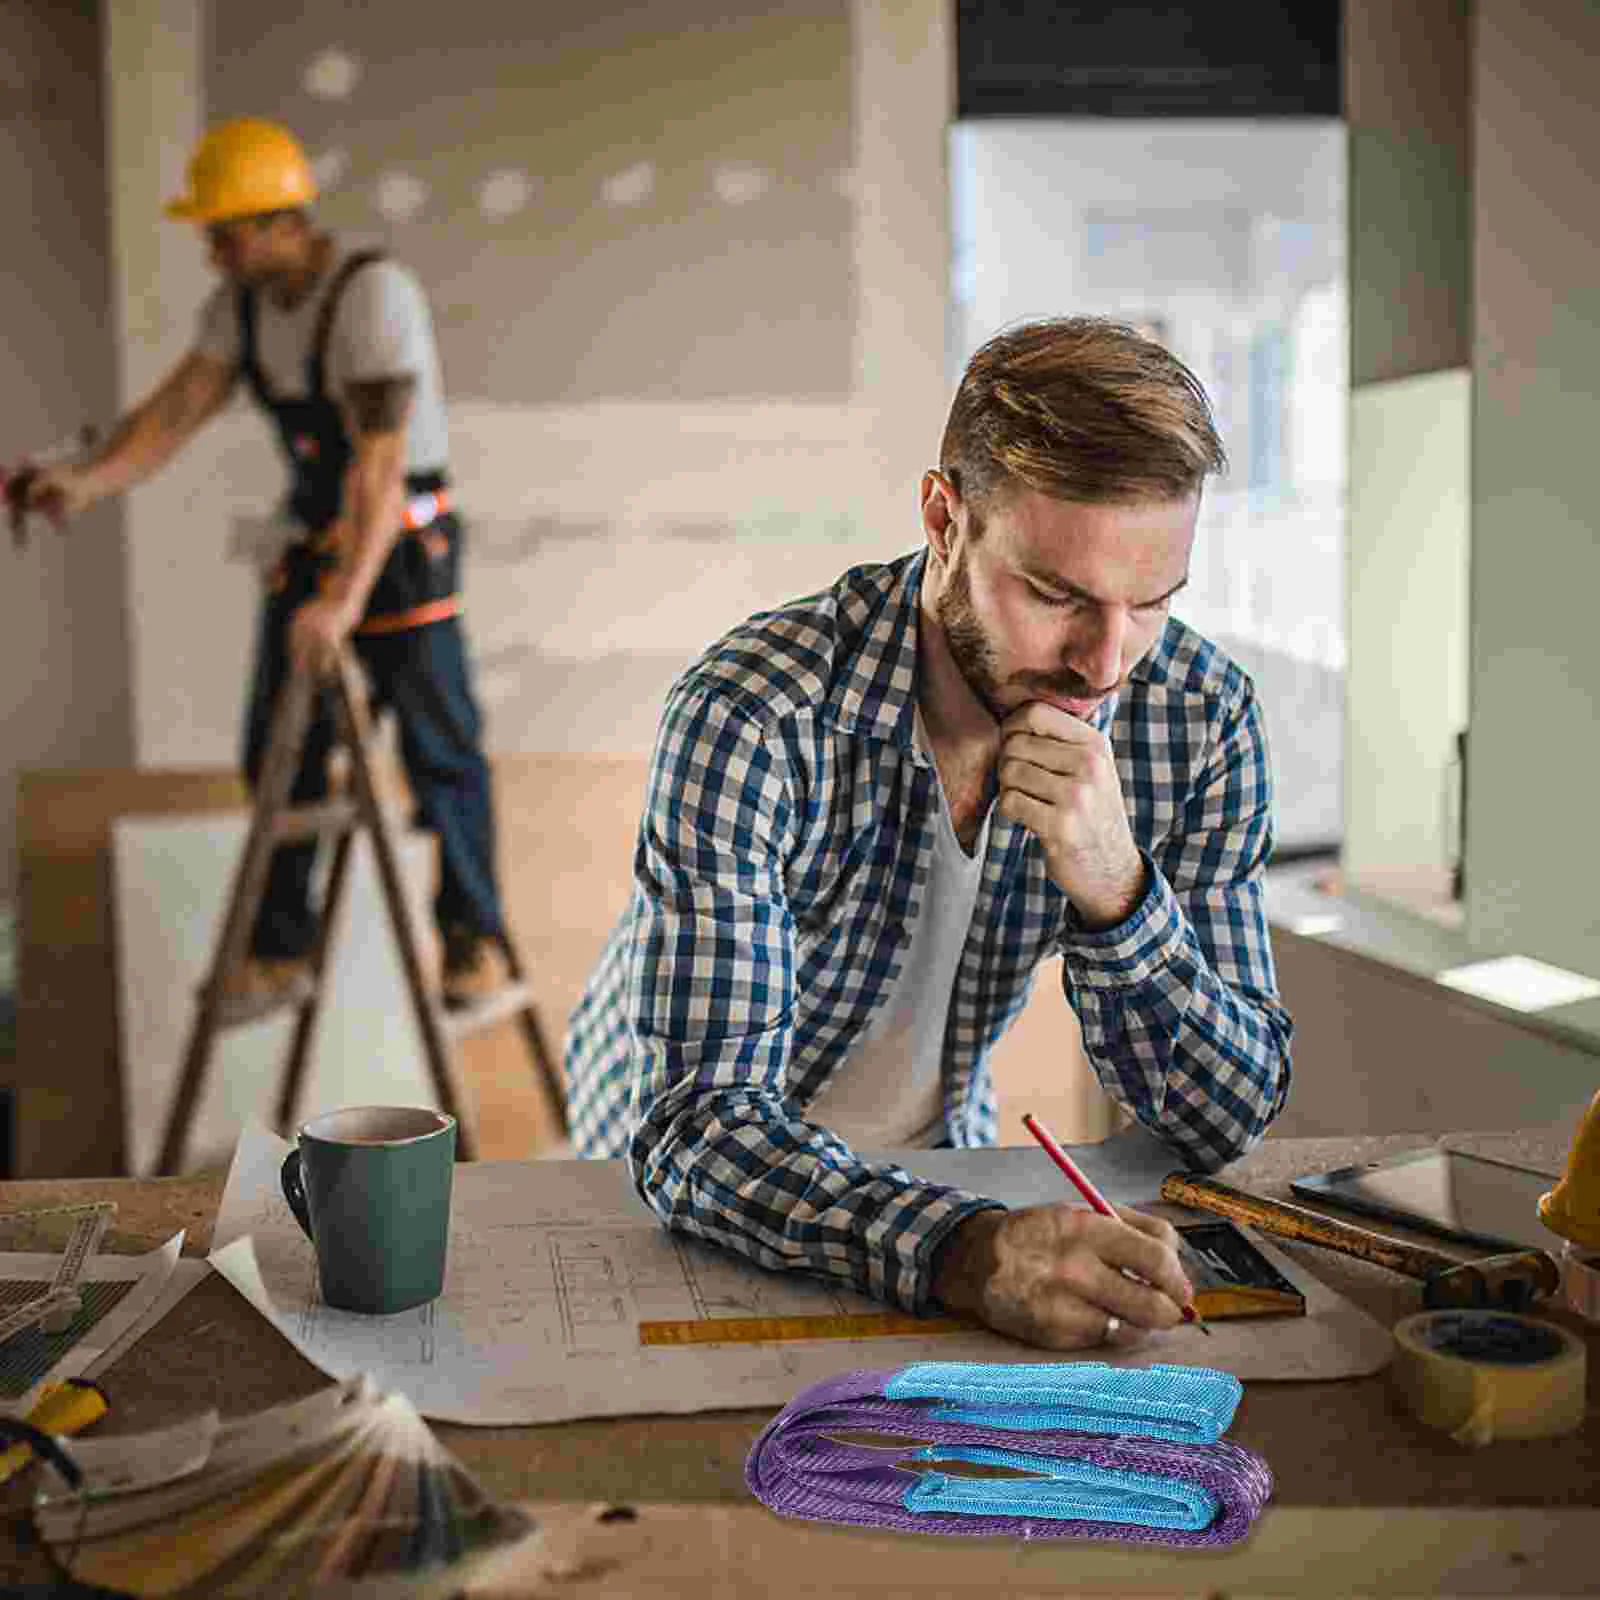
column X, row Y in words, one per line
column 1113, row 1453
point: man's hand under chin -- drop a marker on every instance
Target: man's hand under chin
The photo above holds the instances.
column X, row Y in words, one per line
column 1057, row 777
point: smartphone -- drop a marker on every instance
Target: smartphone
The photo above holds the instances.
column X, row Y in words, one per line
column 1467, row 1198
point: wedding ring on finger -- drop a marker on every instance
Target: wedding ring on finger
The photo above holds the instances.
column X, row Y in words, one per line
column 1112, row 1325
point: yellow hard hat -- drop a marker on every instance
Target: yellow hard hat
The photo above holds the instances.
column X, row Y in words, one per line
column 1572, row 1208
column 242, row 168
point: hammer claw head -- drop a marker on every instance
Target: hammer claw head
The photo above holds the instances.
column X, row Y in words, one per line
column 1498, row 1283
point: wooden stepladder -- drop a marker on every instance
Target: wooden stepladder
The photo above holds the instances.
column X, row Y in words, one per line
column 339, row 818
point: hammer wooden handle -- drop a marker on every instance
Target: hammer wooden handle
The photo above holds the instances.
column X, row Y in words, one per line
column 1291, row 1222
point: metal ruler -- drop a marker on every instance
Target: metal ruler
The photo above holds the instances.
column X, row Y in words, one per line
column 1231, row 1277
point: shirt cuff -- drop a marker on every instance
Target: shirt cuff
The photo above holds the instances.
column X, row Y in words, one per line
column 931, row 1248
column 1145, row 943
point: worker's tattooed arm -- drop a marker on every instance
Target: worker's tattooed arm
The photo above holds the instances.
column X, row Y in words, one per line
column 378, row 410
column 380, row 405
column 144, row 440
column 370, row 520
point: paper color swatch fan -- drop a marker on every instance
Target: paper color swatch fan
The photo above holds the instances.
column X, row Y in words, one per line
column 346, row 1491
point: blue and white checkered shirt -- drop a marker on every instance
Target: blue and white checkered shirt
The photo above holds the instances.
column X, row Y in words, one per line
column 786, row 836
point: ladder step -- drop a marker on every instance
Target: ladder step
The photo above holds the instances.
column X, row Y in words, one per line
column 238, row 1011
column 463, row 1021
column 312, row 822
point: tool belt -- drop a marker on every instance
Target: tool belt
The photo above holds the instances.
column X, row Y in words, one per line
column 418, row 583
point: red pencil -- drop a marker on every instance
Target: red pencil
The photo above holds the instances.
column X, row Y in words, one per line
column 1080, row 1181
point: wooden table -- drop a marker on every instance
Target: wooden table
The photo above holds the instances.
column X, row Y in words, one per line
column 1365, row 1496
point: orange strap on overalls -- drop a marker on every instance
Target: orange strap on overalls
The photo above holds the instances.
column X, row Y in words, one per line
column 421, row 512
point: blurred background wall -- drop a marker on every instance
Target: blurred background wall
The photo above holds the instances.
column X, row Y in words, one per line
column 688, row 273
column 704, row 283
column 1224, row 237
column 65, row 694
column 704, row 279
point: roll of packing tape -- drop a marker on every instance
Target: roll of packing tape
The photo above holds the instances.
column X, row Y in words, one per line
column 1580, row 1280
column 1484, row 1375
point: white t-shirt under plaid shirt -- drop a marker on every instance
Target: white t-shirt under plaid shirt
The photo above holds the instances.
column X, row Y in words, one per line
column 783, row 851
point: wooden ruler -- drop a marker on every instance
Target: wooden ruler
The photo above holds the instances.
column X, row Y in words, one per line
column 777, row 1330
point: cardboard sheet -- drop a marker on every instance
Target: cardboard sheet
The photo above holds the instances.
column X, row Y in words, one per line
column 173, row 876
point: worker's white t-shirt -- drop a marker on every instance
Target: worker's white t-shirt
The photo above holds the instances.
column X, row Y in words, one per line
column 889, row 1090
column 381, row 329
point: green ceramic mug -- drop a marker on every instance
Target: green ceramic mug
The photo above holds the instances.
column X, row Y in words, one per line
column 371, row 1187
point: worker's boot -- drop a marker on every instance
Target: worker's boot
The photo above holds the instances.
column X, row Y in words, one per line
column 474, row 968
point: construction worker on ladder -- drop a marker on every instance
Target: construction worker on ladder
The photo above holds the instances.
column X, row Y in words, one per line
column 338, row 350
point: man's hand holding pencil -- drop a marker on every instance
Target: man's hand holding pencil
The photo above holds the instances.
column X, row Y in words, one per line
column 1063, row 1277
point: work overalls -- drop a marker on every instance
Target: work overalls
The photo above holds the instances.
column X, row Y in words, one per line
column 409, row 640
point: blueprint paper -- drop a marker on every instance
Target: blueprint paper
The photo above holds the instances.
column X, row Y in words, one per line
column 553, row 1265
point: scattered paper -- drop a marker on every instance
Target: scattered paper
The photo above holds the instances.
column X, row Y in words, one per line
column 120, row 1294
column 131, row 1461
column 187, row 1273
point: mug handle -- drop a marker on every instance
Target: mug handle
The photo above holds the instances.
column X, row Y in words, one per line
column 294, row 1191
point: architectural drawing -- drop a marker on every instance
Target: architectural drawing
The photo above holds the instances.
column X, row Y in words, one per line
column 608, row 1282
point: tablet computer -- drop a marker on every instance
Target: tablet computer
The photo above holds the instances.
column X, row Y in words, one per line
column 1470, row 1199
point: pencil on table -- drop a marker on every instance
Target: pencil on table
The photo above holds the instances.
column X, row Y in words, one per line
column 1097, row 1201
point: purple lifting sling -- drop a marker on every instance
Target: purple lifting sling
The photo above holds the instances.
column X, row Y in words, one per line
column 1126, row 1454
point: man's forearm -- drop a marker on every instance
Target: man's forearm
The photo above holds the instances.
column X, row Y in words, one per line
column 139, row 446
column 144, row 440
column 1203, row 1061
column 375, row 500
column 378, row 410
column 814, row 1208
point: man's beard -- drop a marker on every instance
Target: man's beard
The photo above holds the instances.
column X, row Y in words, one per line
column 970, row 648
column 975, row 656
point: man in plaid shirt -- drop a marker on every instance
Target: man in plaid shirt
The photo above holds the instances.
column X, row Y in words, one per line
column 874, row 811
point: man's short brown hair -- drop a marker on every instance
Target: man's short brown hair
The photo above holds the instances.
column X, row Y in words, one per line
column 1079, row 408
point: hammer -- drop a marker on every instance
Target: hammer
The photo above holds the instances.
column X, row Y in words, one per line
column 1507, row 1282
column 14, row 486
